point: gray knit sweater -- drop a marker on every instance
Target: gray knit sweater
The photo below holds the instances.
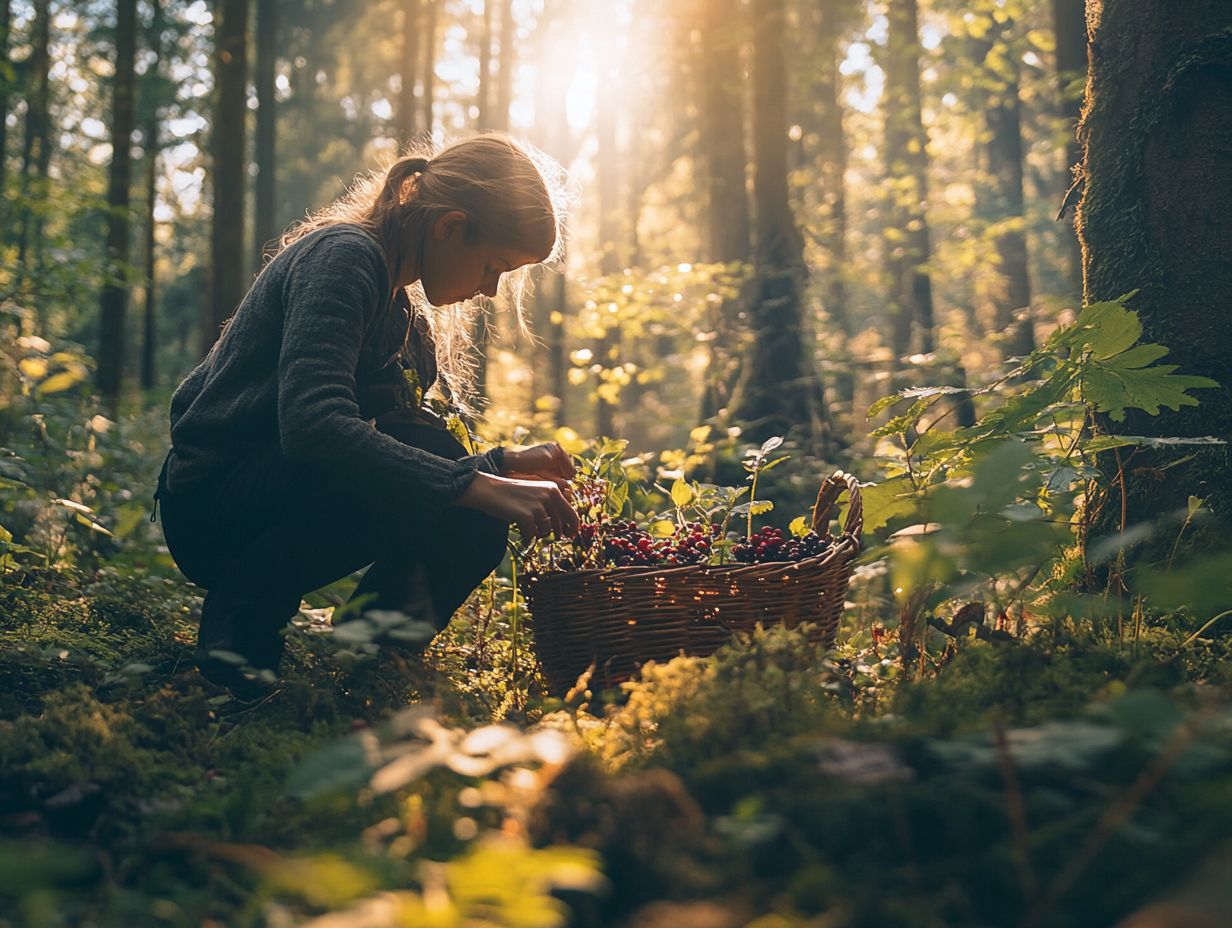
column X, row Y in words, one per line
column 290, row 370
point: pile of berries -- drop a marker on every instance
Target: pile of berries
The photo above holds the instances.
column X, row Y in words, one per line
column 771, row 545
column 622, row 543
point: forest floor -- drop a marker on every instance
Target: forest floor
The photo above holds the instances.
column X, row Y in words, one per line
column 1057, row 780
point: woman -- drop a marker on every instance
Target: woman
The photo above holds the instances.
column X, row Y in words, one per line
column 300, row 451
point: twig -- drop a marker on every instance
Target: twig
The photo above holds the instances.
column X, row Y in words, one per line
column 1017, row 812
column 1116, row 816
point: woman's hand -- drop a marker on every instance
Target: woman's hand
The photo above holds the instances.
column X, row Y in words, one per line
column 548, row 461
column 537, row 507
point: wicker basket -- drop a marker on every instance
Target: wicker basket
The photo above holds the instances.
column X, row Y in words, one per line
column 620, row 617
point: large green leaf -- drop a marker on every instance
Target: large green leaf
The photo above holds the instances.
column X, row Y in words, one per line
column 1132, row 380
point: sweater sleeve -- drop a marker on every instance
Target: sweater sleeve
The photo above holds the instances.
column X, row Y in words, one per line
column 330, row 296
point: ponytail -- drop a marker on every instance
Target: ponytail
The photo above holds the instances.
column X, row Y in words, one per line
column 401, row 171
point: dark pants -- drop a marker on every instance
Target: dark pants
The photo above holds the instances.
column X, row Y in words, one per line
column 272, row 531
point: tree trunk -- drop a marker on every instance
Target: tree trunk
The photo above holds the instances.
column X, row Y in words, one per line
column 6, row 19
column 1156, row 217
column 779, row 388
column 483, row 98
column 149, row 341
column 229, row 146
column 407, row 115
column 551, row 370
column 832, row 170
column 505, row 67
column 1004, row 154
column 265, row 225
column 909, row 244
column 607, row 161
column 1070, row 26
column 36, row 145
column 427, row 102
column 723, row 162
column 721, row 123
column 114, row 296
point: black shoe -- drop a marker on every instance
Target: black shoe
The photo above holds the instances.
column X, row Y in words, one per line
column 243, row 682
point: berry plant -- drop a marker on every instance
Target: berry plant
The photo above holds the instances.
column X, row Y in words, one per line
column 695, row 531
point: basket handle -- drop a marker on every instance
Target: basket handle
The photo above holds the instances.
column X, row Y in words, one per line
column 831, row 489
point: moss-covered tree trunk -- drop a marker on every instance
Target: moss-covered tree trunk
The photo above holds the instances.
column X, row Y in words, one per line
column 1156, row 217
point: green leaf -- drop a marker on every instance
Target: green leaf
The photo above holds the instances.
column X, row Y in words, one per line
column 886, row 501
column 617, row 496
column 1125, row 382
column 770, row 444
column 799, row 526
column 775, row 463
column 662, row 528
column 1108, row 442
column 1102, row 329
column 883, row 404
column 682, row 493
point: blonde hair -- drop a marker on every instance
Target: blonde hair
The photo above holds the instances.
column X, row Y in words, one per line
column 513, row 196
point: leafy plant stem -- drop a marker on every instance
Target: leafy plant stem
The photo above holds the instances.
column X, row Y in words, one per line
column 1196, row 635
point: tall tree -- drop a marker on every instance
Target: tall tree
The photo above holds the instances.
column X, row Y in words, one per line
column 112, row 301
column 1003, row 152
column 229, row 146
column 264, row 222
column 408, row 117
column 36, row 144
column 1070, row 26
column 506, row 63
column 483, row 98
column 909, row 241
column 551, row 372
column 779, row 390
column 428, row 102
column 153, row 95
column 6, row 76
column 1156, row 217
column 608, row 177
column 833, row 21
column 720, row 88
